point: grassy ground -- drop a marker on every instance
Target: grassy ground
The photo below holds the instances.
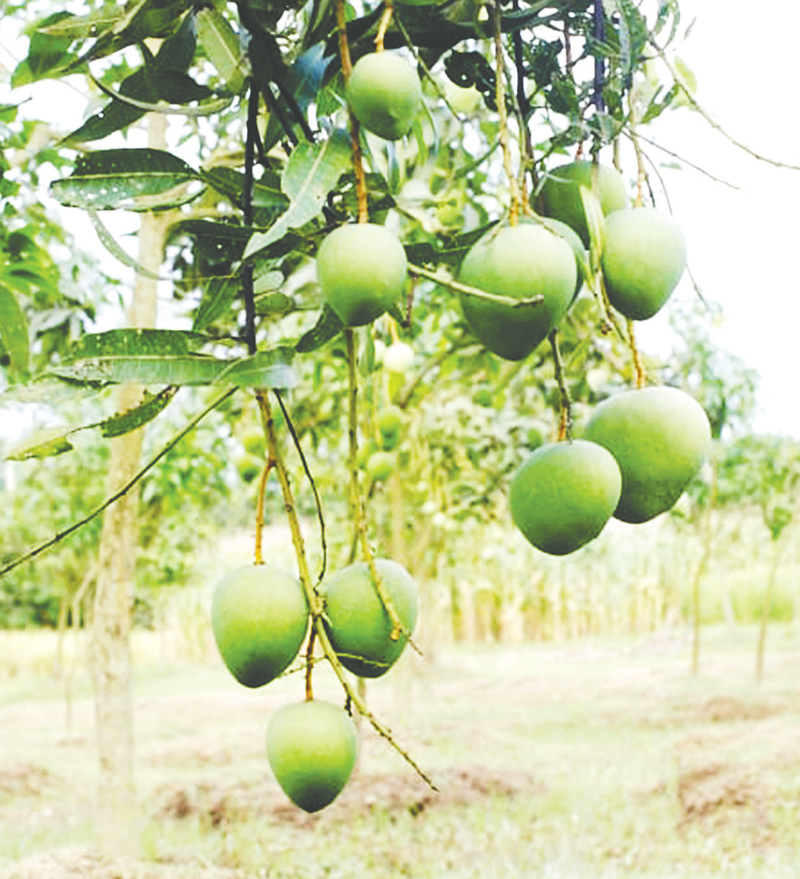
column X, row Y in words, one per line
column 598, row 758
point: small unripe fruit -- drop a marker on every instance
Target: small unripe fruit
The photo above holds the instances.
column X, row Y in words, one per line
column 385, row 94
column 362, row 269
column 518, row 262
column 381, row 465
column 659, row 437
column 312, row 748
column 563, row 495
column 259, row 616
column 357, row 622
column 643, row 258
column 561, row 194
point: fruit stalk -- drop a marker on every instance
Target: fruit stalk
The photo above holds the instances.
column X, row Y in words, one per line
column 262, row 489
column 473, row 291
column 638, row 367
column 356, row 500
column 353, row 125
column 565, row 406
column 383, row 25
column 500, row 96
column 315, row 601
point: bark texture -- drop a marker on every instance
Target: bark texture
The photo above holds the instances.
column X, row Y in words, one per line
column 118, row 830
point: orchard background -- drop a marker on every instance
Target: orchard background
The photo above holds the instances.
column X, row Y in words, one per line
column 625, row 710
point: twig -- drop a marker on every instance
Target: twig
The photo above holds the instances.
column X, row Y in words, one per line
column 357, row 506
column 262, row 490
column 638, row 366
column 500, row 96
column 712, row 122
column 37, row 550
column 248, row 291
column 312, row 482
column 315, row 600
column 686, row 161
column 473, row 291
column 565, row 403
column 355, row 128
column 383, row 24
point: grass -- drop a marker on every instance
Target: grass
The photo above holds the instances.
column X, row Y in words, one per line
column 599, row 758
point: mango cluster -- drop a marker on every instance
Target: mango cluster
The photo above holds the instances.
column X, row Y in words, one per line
column 260, row 619
column 639, row 451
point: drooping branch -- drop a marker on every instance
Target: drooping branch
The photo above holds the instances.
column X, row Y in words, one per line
column 57, row 538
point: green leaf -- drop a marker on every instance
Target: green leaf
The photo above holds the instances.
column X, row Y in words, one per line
column 127, row 179
column 14, row 330
column 115, row 249
column 310, row 174
column 80, row 27
column 189, row 369
column 218, row 296
column 142, row 20
column 133, row 342
column 327, row 327
column 47, row 53
column 221, row 45
column 131, row 419
column 42, row 444
column 116, row 115
column 265, row 369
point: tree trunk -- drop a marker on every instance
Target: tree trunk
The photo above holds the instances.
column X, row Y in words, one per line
column 117, row 819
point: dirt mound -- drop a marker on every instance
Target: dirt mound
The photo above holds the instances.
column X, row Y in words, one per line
column 725, row 709
column 80, row 864
column 219, row 803
column 708, row 790
column 23, row 780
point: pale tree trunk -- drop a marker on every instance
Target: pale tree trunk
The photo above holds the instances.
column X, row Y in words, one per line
column 117, row 817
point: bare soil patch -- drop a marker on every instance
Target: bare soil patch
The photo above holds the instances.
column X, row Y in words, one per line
column 714, row 788
column 220, row 803
column 24, row 780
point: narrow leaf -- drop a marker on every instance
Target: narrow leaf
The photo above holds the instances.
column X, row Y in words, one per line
column 14, row 330
column 222, row 47
column 310, row 174
column 189, row 369
column 266, row 369
column 42, row 444
column 218, row 297
column 131, row 419
column 130, row 179
column 115, row 249
column 327, row 327
column 117, row 114
column 133, row 342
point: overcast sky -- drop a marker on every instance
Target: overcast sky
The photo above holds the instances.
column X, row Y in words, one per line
column 743, row 246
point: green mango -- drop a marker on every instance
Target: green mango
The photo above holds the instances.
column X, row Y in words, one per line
column 259, row 616
column 571, row 237
column 312, row 748
column 385, row 94
column 390, row 420
column 381, row 465
column 519, row 262
column 660, row 437
column 643, row 258
column 357, row 623
column 561, row 195
column 563, row 495
column 362, row 270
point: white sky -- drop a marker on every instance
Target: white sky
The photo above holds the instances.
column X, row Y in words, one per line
column 741, row 244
